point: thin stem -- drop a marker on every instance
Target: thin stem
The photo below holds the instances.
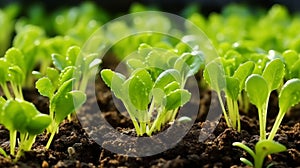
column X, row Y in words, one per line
column 276, row 125
column 237, row 116
column 174, row 113
column 223, row 109
column 6, row 92
column 12, row 139
column 53, row 132
column 262, row 125
column 133, row 119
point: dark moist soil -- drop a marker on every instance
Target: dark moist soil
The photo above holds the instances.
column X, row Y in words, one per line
column 73, row 148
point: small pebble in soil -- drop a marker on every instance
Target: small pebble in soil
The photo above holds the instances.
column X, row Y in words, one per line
column 45, row 164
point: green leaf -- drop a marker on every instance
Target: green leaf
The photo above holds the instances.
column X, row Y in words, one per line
column 135, row 63
column 15, row 116
column 113, row 80
column 16, row 75
column 177, row 98
column 290, row 57
column 289, row 94
column 144, row 49
column 38, row 124
column 257, row 89
column 267, row 147
column 72, row 54
column 59, row 61
column 171, row 87
column 215, row 76
column 246, row 162
column 167, row 77
column 140, row 85
column 189, row 63
column 3, row 71
column 274, row 73
column 232, row 87
column 156, row 59
column 66, row 74
column 245, row 147
column 53, row 75
column 243, row 71
column 45, row 87
column 295, row 70
column 68, row 103
column 158, row 96
column 15, row 57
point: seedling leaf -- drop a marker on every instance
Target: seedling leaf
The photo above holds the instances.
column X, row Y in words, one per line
column 243, row 71
column 177, row 98
column 140, row 85
column 232, row 87
column 38, row 124
column 167, row 77
column 257, row 89
column 67, row 104
column 113, row 80
column 215, row 76
column 267, row 147
column 45, row 87
column 290, row 94
column 273, row 73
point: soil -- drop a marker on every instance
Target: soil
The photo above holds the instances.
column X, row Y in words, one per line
column 72, row 146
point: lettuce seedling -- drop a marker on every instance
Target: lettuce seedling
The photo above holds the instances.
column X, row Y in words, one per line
column 139, row 90
column 85, row 65
column 155, row 86
column 232, row 85
column 259, row 88
column 263, row 148
column 22, row 117
column 12, row 74
column 288, row 97
column 64, row 100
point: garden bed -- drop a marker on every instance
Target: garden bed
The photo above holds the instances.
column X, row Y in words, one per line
column 84, row 141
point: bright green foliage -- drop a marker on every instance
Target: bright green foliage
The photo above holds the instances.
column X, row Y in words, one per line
column 288, row 97
column 230, row 80
column 12, row 72
column 7, row 16
column 155, row 85
column 86, row 65
column 64, row 100
column 24, row 118
column 263, row 148
column 259, row 88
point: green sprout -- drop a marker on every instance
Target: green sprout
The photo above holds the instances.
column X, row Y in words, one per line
column 58, row 87
column 263, row 148
column 288, row 97
column 154, row 86
column 232, row 85
column 22, row 117
column 259, row 88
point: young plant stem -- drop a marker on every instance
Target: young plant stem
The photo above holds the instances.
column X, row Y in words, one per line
column 174, row 114
column 276, row 125
column 224, row 111
column 134, row 121
column 156, row 126
column 13, row 139
column 51, row 138
column 6, row 92
column 234, row 116
column 26, row 144
column 262, row 124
